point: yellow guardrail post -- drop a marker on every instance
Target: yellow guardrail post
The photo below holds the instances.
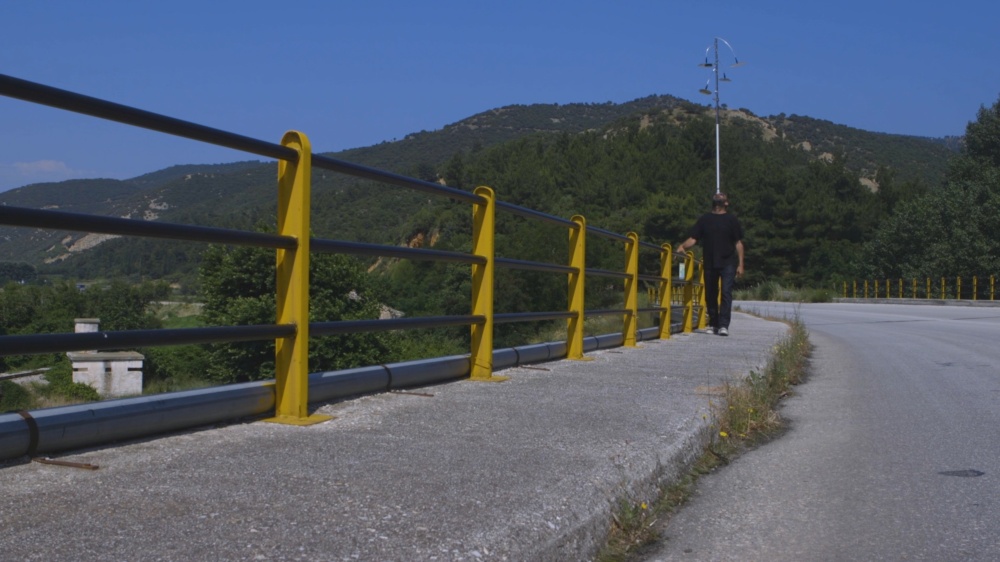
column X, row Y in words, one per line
column 292, row 299
column 688, row 293
column 876, row 288
column 958, row 288
column 855, row 284
column 913, row 292
column 927, row 295
column 631, row 324
column 483, row 245
column 577, row 283
column 975, row 286
column 900, row 294
column 942, row 289
column 991, row 287
column 866, row 288
column 666, row 289
column 703, row 316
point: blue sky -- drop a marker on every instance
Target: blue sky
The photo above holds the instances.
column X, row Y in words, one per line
column 352, row 74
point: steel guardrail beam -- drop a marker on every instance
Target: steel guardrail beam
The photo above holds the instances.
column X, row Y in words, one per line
column 534, row 265
column 102, row 341
column 606, row 312
column 608, row 234
column 78, row 103
column 511, row 317
column 533, row 214
column 357, row 170
column 653, row 278
column 381, row 250
column 388, row 324
column 62, row 220
column 608, row 273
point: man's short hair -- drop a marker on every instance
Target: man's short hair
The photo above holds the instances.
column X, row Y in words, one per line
column 719, row 200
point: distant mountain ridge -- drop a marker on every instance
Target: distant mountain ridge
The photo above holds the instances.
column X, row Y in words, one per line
column 241, row 193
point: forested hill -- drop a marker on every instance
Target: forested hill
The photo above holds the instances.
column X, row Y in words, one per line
column 430, row 148
column 674, row 138
column 911, row 158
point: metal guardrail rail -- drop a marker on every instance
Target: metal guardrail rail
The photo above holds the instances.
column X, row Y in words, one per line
column 289, row 394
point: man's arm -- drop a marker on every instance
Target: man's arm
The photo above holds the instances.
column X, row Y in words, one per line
column 739, row 254
column 683, row 246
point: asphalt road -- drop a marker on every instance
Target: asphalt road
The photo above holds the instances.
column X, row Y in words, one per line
column 892, row 453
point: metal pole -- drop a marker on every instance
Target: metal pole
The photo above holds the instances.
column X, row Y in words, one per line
column 714, row 65
column 718, row 167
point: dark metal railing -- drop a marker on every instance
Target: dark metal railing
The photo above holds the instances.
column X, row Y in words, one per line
column 290, row 153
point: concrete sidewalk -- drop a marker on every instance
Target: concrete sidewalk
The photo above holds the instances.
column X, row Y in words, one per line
column 523, row 470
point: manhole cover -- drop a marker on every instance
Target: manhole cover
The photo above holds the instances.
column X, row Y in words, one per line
column 967, row 473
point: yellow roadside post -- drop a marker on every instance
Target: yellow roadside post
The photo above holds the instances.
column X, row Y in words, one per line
column 703, row 310
column 577, row 283
column 483, row 245
column 292, row 300
column 631, row 324
column 688, row 293
column 666, row 289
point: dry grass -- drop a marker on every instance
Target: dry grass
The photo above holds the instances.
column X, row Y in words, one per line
column 745, row 415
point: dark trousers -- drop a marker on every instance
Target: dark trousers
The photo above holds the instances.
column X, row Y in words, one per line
column 719, row 315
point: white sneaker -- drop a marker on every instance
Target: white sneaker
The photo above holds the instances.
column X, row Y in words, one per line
column 723, row 331
column 709, row 330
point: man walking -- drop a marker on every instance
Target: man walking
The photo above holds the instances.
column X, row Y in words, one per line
column 721, row 237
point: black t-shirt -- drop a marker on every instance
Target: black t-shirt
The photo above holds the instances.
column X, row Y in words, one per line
column 718, row 235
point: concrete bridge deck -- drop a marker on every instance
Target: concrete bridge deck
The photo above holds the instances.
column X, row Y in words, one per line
column 527, row 469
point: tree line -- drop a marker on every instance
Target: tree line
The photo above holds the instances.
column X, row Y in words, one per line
column 950, row 230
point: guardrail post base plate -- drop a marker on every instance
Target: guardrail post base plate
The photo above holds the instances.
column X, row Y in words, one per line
column 494, row 378
column 293, row 420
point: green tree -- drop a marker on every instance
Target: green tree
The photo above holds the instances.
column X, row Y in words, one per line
column 982, row 138
column 17, row 272
column 952, row 230
column 48, row 309
column 239, row 289
column 14, row 397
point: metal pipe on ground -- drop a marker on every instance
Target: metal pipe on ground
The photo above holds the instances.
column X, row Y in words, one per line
column 66, row 428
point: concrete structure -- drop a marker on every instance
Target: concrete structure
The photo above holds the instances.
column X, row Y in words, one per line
column 530, row 469
column 111, row 373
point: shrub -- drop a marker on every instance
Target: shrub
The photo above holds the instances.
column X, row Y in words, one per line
column 14, row 397
column 60, row 379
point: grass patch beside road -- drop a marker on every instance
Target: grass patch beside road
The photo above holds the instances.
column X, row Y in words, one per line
column 746, row 416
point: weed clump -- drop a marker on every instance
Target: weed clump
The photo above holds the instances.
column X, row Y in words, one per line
column 775, row 292
column 747, row 416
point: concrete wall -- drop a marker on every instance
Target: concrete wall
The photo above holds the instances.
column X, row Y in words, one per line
column 113, row 374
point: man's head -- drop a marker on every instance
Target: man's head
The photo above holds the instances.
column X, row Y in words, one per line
column 719, row 201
